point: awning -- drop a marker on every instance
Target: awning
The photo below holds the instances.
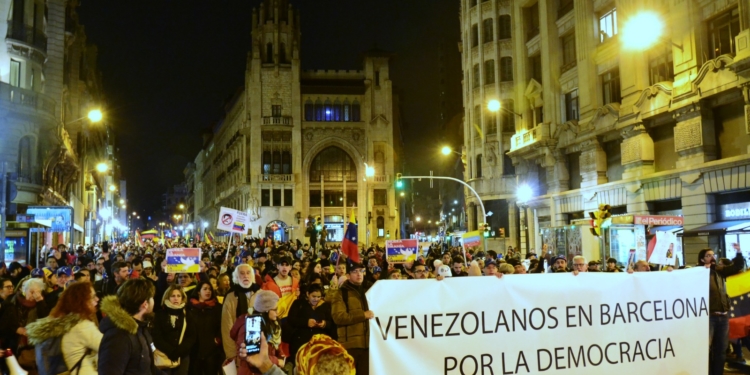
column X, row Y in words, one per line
column 719, row 228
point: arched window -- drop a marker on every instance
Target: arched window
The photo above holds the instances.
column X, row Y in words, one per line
column 381, row 226
column 328, row 110
column 489, row 72
column 24, row 160
column 347, row 110
column 507, row 118
column 286, row 162
column 479, row 166
column 333, row 164
column 487, row 30
column 267, row 162
column 318, row 110
column 269, row 53
column 355, row 111
column 309, row 110
column 379, row 163
column 282, row 53
column 503, row 27
column 337, row 110
column 506, row 69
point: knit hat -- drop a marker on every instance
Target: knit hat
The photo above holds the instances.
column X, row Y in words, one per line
column 265, row 300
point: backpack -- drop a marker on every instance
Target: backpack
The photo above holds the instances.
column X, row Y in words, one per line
column 50, row 359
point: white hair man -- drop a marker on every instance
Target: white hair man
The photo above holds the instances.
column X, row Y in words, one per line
column 579, row 264
column 238, row 301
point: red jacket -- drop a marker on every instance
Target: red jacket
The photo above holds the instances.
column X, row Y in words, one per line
column 270, row 284
column 237, row 333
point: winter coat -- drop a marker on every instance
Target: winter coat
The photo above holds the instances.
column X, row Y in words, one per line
column 8, row 324
column 353, row 327
column 237, row 335
column 299, row 314
column 125, row 348
column 28, row 312
column 228, row 317
column 208, row 329
column 79, row 337
column 167, row 338
column 270, row 284
column 718, row 301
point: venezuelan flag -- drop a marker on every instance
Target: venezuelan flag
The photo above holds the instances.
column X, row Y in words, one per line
column 349, row 244
column 209, row 238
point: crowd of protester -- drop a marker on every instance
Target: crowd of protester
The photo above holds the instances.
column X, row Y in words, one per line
column 115, row 309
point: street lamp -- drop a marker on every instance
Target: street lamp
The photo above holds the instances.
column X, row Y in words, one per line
column 493, row 105
column 642, row 30
column 418, row 219
column 112, row 187
column 95, row 115
column 102, row 167
column 446, row 150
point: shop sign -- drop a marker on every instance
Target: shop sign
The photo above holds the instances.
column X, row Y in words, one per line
column 658, row 220
column 735, row 211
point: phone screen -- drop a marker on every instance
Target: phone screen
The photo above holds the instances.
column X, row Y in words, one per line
column 252, row 334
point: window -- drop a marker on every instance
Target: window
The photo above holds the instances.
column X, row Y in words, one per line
column 269, row 53
column 381, row 226
column 614, row 161
column 379, row 156
column 267, row 159
column 31, row 79
column 503, row 27
column 564, row 8
column 351, row 198
column 319, row 110
column 508, row 168
column 611, row 86
column 536, row 67
column 721, row 33
column 506, row 69
column 507, row 117
column 15, row 73
column 539, row 115
column 337, row 110
column 347, row 111
column 532, row 21
column 571, row 105
column 568, row 52
column 314, row 198
column 574, row 170
column 479, row 166
column 288, row 198
column 380, row 196
column 377, row 78
column 265, row 197
column 490, row 123
column 355, row 111
column 276, row 167
column 24, row 160
column 328, row 110
column 607, row 25
column 282, row 53
column 474, row 35
column 475, row 77
column 661, row 67
column 286, row 162
column 276, row 197
column 333, row 198
column 473, row 3
column 309, row 111
column 333, row 164
column 487, row 30
column 477, row 119
column 276, row 110
column 489, row 72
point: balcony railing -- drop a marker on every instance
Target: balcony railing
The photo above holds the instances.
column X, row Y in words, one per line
column 27, row 34
column 528, row 137
column 277, row 120
column 27, row 98
column 276, row 178
column 380, row 178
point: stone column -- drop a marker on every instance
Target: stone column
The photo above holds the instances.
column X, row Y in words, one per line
column 524, row 221
column 694, row 135
column 513, row 225
column 746, row 95
column 698, row 209
column 593, row 164
column 558, row 177
column 637, row 152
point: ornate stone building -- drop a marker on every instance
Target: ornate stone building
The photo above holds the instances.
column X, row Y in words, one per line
column 660, row 131
column 294, row 143
column 48, row 83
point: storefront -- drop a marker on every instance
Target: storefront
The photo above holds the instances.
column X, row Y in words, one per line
column 733, row 226
column 630, row 238
column 572, row 240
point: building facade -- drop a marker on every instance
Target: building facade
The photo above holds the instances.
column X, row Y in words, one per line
column 48, row 83
column 659, row 131
column 294, row 143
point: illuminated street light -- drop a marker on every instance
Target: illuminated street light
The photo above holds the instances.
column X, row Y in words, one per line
column 402, row 194
column 493, row 105
column 95, row 115
column 182, row 206
column 455, row 202
column 205, row 224
column 122, row 201
column 446, row 150
column 642, row 30
column 102, row 167
column 429, row 221
column 112, row 188
column 369, row 171
column 134, row 213
column 524, row 193
column 418, row 219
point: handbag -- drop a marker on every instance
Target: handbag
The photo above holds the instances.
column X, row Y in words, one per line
column 161, row 361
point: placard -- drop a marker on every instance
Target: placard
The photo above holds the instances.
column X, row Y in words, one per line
column 472, row 239
column 561, row 324
column 401, row 251
column 183, row 260
column 231, row 220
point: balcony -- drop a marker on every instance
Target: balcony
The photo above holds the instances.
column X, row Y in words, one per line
column 494, row 186
column 528, row 137
column 276, row 178
column 34, row 101
column 27, row 35
column 277, row 120
column 380, row 178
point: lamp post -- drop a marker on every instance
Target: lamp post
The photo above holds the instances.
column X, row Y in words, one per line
column 523, row 196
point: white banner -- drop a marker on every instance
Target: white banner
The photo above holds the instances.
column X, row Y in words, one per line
column 593, row 323
column 234, row 221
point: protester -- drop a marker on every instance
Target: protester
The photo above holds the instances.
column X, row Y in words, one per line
column 110, row 285
column 236, row 304
column 126, row 344
column 350, row 312
column 308, row 317
column 73, row 318
column 29, row 306
column 174, row 330
column 206, row 356
column 266, row 303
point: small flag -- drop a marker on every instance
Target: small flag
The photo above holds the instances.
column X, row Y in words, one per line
column 209, row 238
column 738, row 284
column 739, row 316
column 349, row 244
column 138, row 240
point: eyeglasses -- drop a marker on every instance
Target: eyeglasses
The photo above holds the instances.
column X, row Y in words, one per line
column 358, row 271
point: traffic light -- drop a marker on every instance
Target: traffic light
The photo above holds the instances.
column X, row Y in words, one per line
column 318, row 223
column 388, row 234
column 486, row 229
column 597, row 219
column 399, row 181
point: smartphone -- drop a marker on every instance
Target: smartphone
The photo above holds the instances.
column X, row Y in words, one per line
column 252, row 334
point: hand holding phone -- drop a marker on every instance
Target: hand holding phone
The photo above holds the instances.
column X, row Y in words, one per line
column 253, row 334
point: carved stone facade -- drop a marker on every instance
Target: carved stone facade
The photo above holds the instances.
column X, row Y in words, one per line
column 294, row 143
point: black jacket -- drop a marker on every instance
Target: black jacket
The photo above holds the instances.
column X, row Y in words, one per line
column 718, row 301
column 208, row 330
column 106, row 287
column 300, row 313
column 126, row 345
column 167, row 338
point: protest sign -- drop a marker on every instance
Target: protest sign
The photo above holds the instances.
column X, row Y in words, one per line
column 401, row 251
column 183, row 260
column 592, row 323
column 472, row 239
column 667, row 250
column 234, row 221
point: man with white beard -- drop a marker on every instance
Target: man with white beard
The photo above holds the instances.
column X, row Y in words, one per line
column 238, row 302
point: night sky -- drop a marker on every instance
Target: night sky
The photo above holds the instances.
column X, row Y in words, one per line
column 169, row 66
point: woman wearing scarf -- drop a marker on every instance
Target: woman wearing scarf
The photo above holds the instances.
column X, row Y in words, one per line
column 265, row 304
column 309, row 316
column 206, row 355
column 174, row 331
